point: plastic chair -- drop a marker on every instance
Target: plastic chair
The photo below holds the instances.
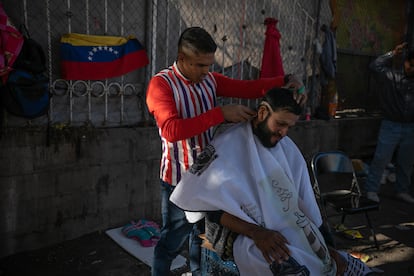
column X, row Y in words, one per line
column 336, row 185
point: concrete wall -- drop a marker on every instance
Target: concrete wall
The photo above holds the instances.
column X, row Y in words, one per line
column 94, row 179
column 86, row 180
column 355, row 136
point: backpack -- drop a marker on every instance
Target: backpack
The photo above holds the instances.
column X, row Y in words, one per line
column 31, row 58
column 26, row 91
column 26, row 94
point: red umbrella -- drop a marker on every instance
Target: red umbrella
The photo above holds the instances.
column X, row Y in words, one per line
column 271, row 61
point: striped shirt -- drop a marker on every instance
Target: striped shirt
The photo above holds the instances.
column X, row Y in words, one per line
column 186, row 113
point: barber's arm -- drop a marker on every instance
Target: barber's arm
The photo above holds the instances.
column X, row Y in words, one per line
column 271, row 243
column 161, row 104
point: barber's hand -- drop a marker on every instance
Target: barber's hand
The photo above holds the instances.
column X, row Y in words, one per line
column 236, row 113
column 300, row 93
column 301, row 98
column 399, row 48
column 272, row 245
column 340, row 261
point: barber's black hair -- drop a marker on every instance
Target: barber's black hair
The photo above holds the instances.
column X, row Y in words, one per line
column 282, row 99
column 197, row 40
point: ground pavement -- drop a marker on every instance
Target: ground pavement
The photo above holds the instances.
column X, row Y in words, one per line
column 96, row 254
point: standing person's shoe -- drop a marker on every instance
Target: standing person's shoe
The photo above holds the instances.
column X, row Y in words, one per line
column 405, row 197
column 373, row 196
column 384, row 177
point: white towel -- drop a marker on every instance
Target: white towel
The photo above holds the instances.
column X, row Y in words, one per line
column 266, row 186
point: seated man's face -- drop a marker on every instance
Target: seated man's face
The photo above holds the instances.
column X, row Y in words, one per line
column 273, row 126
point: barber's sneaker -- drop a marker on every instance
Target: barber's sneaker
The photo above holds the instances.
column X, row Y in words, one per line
column 373, row 196
column 405, row 197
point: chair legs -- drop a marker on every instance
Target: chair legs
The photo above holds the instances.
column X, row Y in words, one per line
column 371, row 228
column 343, row 218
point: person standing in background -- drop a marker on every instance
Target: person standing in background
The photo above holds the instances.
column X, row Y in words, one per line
column 395, row 72
column 183, row 101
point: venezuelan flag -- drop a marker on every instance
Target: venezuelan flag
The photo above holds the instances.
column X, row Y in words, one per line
column 93, row 57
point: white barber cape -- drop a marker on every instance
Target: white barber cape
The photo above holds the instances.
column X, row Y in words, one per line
column 266, row 186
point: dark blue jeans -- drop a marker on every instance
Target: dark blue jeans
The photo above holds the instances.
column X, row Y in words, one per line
column 175, row 231
column 393, row 137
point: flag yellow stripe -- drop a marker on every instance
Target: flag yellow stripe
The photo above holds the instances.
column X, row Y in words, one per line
column 94, row 40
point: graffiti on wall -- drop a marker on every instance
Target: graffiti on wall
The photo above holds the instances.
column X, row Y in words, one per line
column 370, row 26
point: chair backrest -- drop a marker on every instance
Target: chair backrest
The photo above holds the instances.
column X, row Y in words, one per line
column 333, row 170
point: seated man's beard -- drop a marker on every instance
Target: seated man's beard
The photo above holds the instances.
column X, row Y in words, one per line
column 264, row 134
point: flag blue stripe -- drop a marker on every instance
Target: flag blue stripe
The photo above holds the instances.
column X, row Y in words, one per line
column 68, row 52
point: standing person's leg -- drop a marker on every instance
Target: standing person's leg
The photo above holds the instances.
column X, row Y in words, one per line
column 195, row 247
column 174, row 233
column 405, row 159
column 388, row 138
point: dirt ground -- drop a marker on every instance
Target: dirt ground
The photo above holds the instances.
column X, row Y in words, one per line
column 93, row 254
column 97, row 254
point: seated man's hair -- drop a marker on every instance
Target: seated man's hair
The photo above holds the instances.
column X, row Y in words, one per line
column 282, row 99
column 197, row 40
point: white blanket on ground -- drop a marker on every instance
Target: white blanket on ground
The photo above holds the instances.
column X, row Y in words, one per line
column 266, row 186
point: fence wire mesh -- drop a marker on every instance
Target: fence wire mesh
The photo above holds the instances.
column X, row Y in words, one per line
column 237, row 27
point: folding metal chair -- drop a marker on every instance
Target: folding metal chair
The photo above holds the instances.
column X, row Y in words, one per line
column 336, row 185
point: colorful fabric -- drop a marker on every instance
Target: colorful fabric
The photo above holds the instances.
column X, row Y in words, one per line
column 146, row 232
column 355, row 266
column 11, row 42
column 92, row 57
column 272, row 65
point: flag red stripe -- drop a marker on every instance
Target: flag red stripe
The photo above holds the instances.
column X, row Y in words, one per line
column 102, row 70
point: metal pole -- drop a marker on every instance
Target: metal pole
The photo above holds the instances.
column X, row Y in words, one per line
column 313, row 97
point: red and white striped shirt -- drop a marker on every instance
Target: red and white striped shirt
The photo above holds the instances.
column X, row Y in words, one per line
column 185, row 113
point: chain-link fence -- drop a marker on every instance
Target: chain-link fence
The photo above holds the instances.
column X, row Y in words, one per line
column 237, row 26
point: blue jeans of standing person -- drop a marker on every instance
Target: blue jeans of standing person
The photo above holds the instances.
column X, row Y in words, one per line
column 393, row 136
column 175, row 231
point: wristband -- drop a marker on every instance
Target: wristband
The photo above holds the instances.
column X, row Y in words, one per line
column 301, row 90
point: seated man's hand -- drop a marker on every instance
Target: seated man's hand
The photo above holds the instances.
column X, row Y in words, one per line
column 339, row 260
column 272, row 244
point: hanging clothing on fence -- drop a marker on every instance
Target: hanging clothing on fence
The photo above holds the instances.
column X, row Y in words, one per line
column 272, row 65
column 11, row 42
column 329, row 55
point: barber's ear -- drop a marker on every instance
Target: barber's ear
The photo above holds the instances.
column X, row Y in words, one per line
column 262, row 113
column 180, row 56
